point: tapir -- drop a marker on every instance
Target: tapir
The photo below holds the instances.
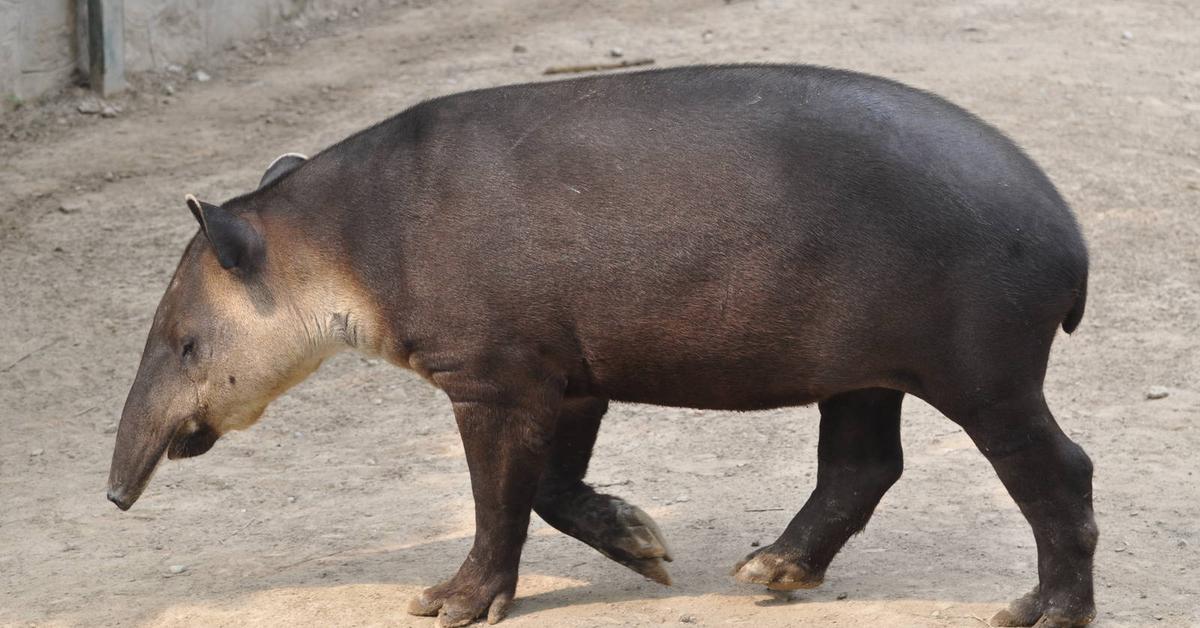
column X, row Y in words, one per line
column 728, row 237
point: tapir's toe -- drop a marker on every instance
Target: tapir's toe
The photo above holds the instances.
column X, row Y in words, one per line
column 461, row 612
column 651, row 568
column 777, row 571
column 1024, row 611
column 426, row 604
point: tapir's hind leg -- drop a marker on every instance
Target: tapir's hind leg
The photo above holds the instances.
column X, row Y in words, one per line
column 1050, row 478
column 617, row 529
column 859, row 458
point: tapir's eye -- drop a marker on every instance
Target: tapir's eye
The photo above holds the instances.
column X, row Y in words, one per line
column 189, row 347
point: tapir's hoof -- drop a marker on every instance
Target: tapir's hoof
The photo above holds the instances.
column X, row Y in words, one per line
column 777, row 572
column 640, row 545
column 616, row 528
column 1028, row 610
column 1024, row 611
column 459, row 606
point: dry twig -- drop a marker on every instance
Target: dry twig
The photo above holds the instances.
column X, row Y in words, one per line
column 597, row 67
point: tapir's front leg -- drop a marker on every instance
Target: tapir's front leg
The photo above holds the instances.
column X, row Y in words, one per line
column 506, row 429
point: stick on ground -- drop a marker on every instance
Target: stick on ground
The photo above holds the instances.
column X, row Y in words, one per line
column 598, row 67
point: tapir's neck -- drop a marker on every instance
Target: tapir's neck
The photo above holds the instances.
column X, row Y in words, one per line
column 332, row 264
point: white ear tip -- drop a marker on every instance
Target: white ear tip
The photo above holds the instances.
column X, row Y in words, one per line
column 191, row 199
column 284, row 156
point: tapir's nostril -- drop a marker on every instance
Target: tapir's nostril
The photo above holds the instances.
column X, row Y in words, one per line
column 115, row 496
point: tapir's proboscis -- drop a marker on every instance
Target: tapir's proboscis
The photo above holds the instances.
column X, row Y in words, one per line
column 733, row 237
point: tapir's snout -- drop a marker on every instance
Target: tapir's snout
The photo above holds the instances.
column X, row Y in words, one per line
column 139, row 451
column 131, row 471
column 142, row 439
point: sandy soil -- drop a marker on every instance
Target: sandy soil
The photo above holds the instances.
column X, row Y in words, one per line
column 352, row 492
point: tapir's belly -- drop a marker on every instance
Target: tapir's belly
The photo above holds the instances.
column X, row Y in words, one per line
column 733, row 352
column 714, row 385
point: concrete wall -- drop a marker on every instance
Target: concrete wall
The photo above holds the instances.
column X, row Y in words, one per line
column 42, row 42
column 38, row 50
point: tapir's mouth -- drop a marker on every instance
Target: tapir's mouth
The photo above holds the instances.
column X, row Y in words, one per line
column 193, row 438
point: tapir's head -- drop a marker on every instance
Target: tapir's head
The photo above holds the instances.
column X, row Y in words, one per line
column 231, row 333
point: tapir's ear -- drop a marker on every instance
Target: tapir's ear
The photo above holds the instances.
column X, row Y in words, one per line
column 236, row 241
column 282, row 165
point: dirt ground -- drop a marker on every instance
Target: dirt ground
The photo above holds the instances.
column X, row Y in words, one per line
column 352, row 493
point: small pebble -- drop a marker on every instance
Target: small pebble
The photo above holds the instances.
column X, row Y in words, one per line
column 616, row 52
column 707, row 36
column 109, row 111
column 842, row 596
column 70, row 207
column 89, row 107
column 174, row 68
column 291, row 499
column 519, row 49
column 755, row 543
column 1157, row 392
column 377, row 401
column 169, row 89
column 37, row 452
column 687, row 619
column 200, row 76
column 177, row 569
column 1126, row 35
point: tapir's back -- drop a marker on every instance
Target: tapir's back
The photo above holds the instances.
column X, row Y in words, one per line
column 789, row 225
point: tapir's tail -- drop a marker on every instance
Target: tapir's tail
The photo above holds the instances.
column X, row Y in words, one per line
column 1075, row 314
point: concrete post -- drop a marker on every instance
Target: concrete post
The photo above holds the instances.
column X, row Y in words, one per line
column 106, row 45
